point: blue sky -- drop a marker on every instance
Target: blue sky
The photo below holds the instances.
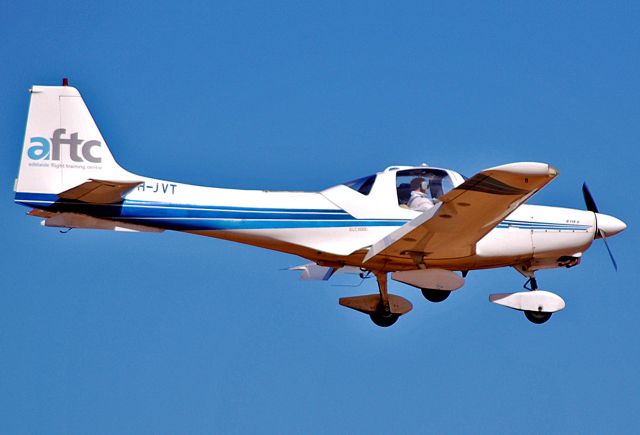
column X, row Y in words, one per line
column 106, row 332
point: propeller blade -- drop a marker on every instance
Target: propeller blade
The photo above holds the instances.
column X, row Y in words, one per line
column 604, row 239
column 592, row 207
column 588, row 199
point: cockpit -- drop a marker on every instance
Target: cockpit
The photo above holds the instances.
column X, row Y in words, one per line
column 432, row 182
column 388, row 194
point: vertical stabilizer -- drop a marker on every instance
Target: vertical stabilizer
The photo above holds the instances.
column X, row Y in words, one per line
column 62, row 145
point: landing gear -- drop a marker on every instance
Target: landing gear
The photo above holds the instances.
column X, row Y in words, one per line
column 435, row 295
column 383, row 319
column 383, row 316
column 537, row 305
column 537, row 317
column 383, row 309
column 534, row 283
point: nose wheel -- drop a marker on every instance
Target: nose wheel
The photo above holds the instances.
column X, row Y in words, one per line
column 537, row 305
column 537, row 317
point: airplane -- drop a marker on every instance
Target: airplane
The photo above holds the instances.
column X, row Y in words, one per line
column 70, row 179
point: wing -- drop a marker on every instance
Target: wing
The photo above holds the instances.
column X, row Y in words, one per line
column 465, row 214
column 100, row 191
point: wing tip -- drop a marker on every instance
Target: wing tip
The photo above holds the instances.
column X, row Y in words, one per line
column 528, row 168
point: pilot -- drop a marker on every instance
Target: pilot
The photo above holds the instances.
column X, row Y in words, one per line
column 419, row 201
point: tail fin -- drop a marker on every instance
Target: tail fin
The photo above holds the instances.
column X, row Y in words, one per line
column 62, row 145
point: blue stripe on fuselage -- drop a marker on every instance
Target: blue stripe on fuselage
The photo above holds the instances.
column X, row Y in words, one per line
column 203, row 217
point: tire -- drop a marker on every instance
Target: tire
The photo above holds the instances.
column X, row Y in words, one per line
column 384, row 320
column 537, row 317
column 435, row 295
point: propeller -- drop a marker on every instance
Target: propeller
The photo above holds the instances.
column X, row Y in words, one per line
column 592, row 207
column 588, row 199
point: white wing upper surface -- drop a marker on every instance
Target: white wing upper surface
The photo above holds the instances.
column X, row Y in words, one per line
column 465, row 214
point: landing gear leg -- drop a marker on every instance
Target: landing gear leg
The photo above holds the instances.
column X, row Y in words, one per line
column 383, row 308
column 383, row 315
column 539, row 316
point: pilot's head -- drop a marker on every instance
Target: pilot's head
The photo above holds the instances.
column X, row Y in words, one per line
column 419, row 183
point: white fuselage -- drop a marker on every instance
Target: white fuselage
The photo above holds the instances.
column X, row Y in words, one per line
column 336, row 225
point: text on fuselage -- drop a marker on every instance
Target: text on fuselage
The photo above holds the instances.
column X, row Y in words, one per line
column 156, row 187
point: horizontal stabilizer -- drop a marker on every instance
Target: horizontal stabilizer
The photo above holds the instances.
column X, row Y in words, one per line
column 41, row 213
column 100, row 191
column 76, row 220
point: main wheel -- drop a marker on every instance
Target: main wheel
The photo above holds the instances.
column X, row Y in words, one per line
column 384, row 319
column 537, row 317
column 435, row 295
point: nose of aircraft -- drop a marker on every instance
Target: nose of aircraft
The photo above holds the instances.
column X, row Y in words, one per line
column 610, row 225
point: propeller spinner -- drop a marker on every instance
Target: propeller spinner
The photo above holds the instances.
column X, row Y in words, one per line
column 606, row 226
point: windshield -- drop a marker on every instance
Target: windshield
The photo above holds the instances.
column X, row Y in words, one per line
column 362, row 185
column 429, row 182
